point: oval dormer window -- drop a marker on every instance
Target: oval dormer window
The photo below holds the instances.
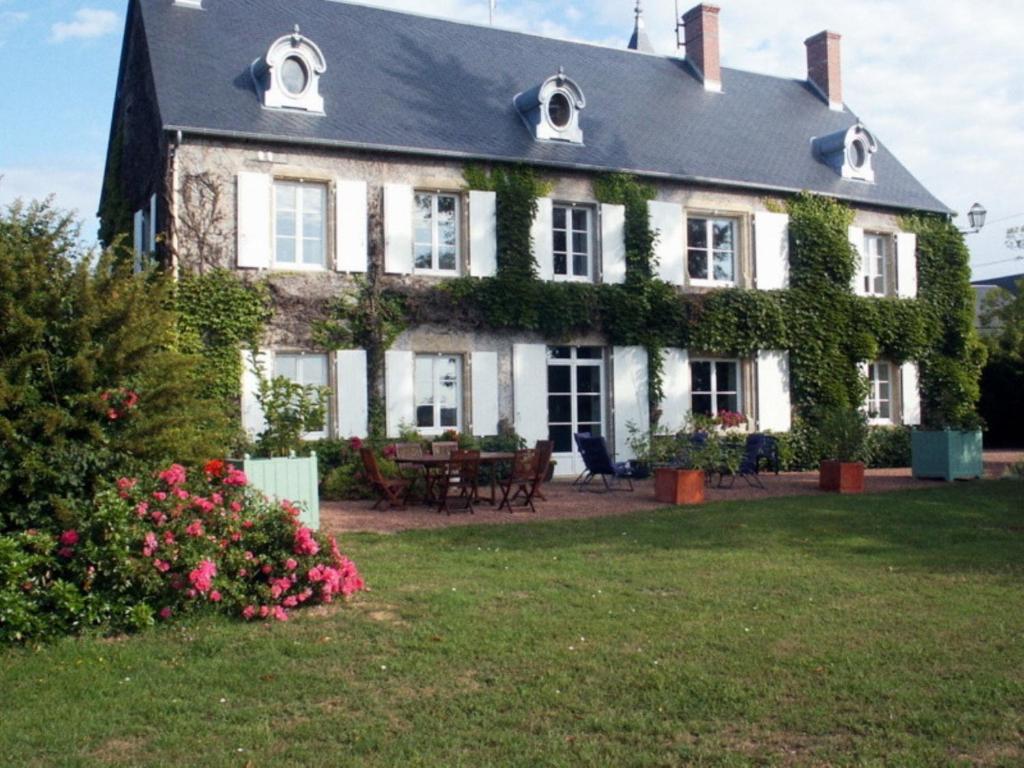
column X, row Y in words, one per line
column 294, row 75
column 560, row 110
column 858, row 154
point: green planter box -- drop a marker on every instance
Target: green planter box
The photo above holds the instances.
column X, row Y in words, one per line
column 948, row 455
column 287, row 479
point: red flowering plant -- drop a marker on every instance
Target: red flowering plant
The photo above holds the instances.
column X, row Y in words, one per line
column 731, row 419
column 205, row 539
column 119, row 402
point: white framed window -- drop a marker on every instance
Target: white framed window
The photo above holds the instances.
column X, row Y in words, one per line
column 436, row 233
column 711, row 250
column 438, row 393
column 307, row 370
column 300, row 225
column 715, row 387
column 876, row 264
column 572, row 232
column 879, row 400
column 576, row 395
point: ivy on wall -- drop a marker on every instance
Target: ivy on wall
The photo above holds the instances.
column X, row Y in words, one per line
column 219, row 315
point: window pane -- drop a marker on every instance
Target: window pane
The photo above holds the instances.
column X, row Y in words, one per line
column 580, row 265
column 700, row 374
column 312, row 224
column 314, row 370
column 560, row 353
column 424, row 384
column 562, row 438
column 883, row 410
column 589, row 353
column 559, row 241
column 561, row 264
column 285, row 252
column 285, row 223
column 588, row 379
column 579, row 219
column 284, row 196
column 698, row 264
column 449, row 417
column 286, row 366
column 724, row 236
column 588, row 408
column 697, row 233
column 726, row 375
column 558, row 217
column 728, row 403
column 724, row 266
column 579, row 242
column 423, row 255
column 447, row 259
column 702, row 404
column 559, row 378
column 313, row 252
column 559, row 409
column 425, row 416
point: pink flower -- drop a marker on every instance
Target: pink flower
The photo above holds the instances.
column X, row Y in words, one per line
column 168, row 538
column 69, row 538
column 248, row 612
column 290, row 602
column 202, row 576
column 280, row 613
column 195, row 529
column 150, row 544
column 159, row 495
column 165, row 613
column 236, row 507
column 141, row 509
column 126, row 483
column 235, row 477
column 264, row 611
column 66, row 552
column 215, row 596
column 305, row 544
column 174, row 476
column 181, row 493
column 290, row 564
column 161, row 566
column 247, row 524
column 242, row 572
column 266, row 569
column 249, row 555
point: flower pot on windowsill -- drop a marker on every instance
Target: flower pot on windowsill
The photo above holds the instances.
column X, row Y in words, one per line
column 841, row 476
column 679, row 486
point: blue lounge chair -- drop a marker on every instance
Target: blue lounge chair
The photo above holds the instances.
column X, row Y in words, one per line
column 598, row 463
column 759, row 449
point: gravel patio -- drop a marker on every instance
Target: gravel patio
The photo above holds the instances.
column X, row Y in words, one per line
column 564, row 502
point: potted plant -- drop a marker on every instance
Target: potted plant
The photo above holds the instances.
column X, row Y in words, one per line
column 842, row 433
column 678, row 475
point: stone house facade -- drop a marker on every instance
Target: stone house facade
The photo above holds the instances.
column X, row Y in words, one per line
column 306, row 147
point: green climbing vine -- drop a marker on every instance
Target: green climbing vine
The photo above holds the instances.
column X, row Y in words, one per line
column 219, row 315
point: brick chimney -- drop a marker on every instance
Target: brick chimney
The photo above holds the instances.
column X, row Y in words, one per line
column 701, row 25
column 824, row 67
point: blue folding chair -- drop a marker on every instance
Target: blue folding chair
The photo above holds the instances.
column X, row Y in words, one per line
column 598, row 463
column 759, row 448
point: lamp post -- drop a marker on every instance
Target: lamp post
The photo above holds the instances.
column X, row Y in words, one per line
column 976, row 218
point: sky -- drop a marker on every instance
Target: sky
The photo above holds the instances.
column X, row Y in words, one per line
column 941, row 83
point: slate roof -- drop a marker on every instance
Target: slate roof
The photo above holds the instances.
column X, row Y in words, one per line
column 407, row 83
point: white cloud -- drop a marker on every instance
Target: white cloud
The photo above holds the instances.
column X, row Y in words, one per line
column 73, row 190
column 88, row 23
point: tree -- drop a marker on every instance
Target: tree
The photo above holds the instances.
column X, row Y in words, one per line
column 1002, row 382
column 92, row 382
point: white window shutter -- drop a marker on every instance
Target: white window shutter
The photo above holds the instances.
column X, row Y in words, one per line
column 398, row 202
column 483, row 233
column 351, row 395
column 530, row 391
column 542, row 244
column 771, row 250
column 675, row 403
column 350, row 226
column 485, row 393
column 137, row 237
column 255, row 208
column 670, row 247
column 613, row 243
column 629, row 368
column 906, row 265
column 911, row 387
column 857, row 241
column 153, row 200
column 399, row 390
column 253, row 421
column 774, row 406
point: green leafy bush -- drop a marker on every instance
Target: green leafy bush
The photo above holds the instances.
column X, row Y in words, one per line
column 842, row 433
column 887, row 447
column 92, row 382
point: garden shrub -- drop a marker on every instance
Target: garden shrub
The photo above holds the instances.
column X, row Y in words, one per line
column 92, row 384
column 888, row 447
column 160, row 547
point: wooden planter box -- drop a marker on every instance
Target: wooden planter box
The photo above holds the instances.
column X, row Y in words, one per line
column 679, row 486
column 948, row 454
column 841, row 476
column 287, row 479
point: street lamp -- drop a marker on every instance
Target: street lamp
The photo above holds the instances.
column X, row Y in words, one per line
column 976, row 218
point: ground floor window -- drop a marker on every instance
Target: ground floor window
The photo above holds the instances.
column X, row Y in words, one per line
column 307, row 370
column 879, row 402
column 576, row 395
column 715, row 386
column 438, row 393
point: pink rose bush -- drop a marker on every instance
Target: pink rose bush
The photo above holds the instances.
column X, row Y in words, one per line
column 162, row 547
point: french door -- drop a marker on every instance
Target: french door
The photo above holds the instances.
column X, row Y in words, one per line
column 576, row 401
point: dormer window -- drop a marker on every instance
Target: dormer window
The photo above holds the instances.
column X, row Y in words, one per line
column 848, row 152
column 288, row 77
column 552, row 109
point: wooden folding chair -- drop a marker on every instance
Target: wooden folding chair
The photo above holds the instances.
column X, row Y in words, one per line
column 394, row 491
column 528, row 471
column 457, row 488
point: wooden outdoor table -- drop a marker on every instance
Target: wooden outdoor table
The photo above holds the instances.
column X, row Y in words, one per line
column 431, row 464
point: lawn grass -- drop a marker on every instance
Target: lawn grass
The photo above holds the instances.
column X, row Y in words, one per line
column 873, row 630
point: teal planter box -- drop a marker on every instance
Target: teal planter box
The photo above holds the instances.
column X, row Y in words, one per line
column 948, row 454
column 287, row 479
